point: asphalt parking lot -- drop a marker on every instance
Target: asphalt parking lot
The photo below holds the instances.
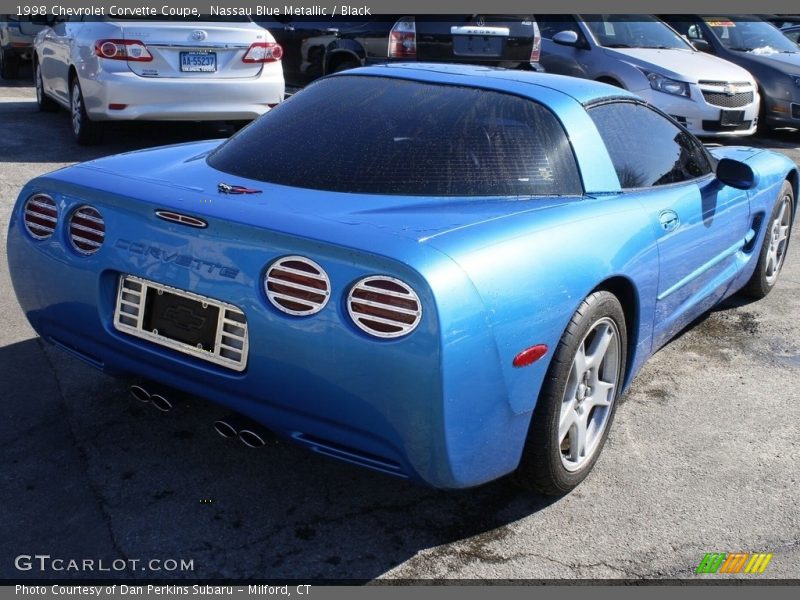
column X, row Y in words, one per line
column 703, row 456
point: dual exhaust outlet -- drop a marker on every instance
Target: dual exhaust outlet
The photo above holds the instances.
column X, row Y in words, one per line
column 232, row 426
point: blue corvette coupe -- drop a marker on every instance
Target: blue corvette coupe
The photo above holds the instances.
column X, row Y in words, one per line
column 444, row 273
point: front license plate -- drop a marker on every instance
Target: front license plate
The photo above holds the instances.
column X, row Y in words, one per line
column 192, row 324
column 203, row 62
column 478, row 45
column 732, row 117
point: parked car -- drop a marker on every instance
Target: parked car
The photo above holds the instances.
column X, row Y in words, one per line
column 709, row 96
column 16, row 43
column 435, row 294
column 758, row 47
column 315, row 46
column 155, row 69
column 793, row 33
column 782, row 21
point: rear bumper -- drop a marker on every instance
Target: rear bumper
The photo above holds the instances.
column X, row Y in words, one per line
column 401, row 406
column 175, row 99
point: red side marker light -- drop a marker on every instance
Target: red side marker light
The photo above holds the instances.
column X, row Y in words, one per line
column 530, row 355
column 117, row 106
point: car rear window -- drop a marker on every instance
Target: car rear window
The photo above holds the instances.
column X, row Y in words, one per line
column 378, row 135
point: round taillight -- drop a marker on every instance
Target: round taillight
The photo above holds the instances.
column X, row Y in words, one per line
column 87, row 230
column 297, row 286
column 384, row 306
column 41, row 216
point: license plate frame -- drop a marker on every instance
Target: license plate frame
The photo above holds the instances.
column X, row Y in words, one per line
column 731, row 118
column 224, row 341
column 189, row 60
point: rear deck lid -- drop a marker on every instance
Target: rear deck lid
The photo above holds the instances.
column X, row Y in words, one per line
column 475, row 38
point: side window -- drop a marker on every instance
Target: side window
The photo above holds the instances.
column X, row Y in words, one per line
column 550, row 25
column 694, row 32
column 647, row 149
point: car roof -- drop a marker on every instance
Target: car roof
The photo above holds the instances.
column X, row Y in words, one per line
column 523, row 83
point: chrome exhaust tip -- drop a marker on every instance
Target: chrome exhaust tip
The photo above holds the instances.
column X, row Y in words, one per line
column 139, row 393
column 161, row 403
column 252, row 439
column 225, row 429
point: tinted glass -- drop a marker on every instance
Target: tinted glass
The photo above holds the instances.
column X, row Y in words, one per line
column 633, row 31
column 646, row 148
column 549, row 25
column 380, row 135
column 745, row 35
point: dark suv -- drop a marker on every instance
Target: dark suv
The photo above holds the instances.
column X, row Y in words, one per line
column 316, row 46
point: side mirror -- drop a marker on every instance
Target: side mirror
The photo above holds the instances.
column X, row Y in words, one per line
column 703, row 46
column 566, row 38
column 736, row 174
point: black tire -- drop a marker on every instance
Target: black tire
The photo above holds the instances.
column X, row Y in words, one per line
column 86, row 131
column 543, row 467
column 344, row 66
column 43, row 101
column 773, row 250
column 762, row 127
column 9, row 65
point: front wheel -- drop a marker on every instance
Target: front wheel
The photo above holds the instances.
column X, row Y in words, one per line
column 86, row 131
column 43, row 101
column 578, row 398
column 774, row 247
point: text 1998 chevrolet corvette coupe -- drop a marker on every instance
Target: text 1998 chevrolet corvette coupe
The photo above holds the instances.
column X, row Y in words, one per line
column 444, row 273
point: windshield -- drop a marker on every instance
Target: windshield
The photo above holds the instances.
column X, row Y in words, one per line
column 633, row 31
column 378, row 135
column 746, row 35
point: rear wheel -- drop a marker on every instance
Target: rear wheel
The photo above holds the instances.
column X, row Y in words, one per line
column 774, row 247
column 9, row 65
column 345, row 65
column 86, row 131
column 45, row 102
column 578, row 398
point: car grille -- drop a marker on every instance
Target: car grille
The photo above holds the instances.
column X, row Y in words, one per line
column 41, row 216
column 297, row 286
column 724, row 100
column 231, row 343
column 384, row 307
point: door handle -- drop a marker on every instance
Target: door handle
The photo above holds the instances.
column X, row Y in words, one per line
column 668, row 219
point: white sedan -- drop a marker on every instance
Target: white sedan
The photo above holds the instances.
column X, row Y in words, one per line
column 120, row 69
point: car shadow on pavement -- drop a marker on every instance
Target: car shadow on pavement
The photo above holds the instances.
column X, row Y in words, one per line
column 93, row 474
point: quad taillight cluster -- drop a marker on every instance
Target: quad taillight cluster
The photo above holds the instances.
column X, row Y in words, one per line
column 86, row 228
column 379, row 305
column 136, row 51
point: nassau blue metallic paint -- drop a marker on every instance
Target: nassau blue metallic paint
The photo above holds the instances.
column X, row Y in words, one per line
column 443, row 405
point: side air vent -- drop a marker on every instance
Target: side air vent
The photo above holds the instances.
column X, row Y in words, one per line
column 41, row 216
column 87, row 230
column 297, row 286
column 384, row 307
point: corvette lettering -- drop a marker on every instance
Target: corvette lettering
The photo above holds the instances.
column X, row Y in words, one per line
column 182, row 260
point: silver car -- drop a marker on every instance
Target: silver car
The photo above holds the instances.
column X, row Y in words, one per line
column 163, row 70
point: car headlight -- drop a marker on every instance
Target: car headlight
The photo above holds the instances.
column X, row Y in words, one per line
column 667, row 85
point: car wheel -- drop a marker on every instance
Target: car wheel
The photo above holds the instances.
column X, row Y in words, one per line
column 9, row 65
column 45, row 102
column 86, row 131
column 774, row 247
column 346, row 65
column 578, row 398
